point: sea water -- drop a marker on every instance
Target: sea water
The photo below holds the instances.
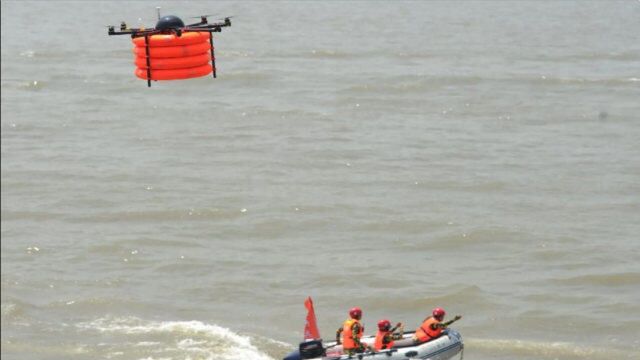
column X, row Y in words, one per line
column 479, row 156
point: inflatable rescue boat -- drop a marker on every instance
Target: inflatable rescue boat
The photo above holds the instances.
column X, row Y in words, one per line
column 445, row 347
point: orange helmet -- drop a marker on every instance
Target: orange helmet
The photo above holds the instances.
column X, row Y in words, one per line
column 438, row 313
column 384, row 325
column 355, row 313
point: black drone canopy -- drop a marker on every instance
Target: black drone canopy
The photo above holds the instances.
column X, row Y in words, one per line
column 169, row 22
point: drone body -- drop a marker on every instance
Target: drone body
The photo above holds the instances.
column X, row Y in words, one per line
column 172, row 50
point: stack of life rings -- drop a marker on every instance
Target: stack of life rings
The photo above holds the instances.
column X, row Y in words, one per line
column 172, row 57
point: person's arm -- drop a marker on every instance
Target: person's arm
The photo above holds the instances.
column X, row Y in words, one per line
column 398, row 335
column 396, row 327
column 444, row 325
column 355, row 330
column 386, row 340
column 338, row 332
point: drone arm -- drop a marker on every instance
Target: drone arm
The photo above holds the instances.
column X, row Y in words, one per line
column 133, row 32
column 195, row 29
column 202, row 22
column 204, row 25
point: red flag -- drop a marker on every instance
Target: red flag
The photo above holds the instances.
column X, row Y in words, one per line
column 310, row 327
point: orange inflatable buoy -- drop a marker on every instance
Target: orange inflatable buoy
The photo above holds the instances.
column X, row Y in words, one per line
column 173, row 51
column 173, row 63
column 175, row 74
column 187, row 38
column 173, row 57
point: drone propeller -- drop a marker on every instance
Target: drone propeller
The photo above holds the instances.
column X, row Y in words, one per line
column 201, row 16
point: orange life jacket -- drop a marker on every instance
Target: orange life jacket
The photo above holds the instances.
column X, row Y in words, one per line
column 425, row 332
column 380, row 345
column 347, row 334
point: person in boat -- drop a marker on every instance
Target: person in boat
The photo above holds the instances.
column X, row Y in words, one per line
column 352, row 331
column 386, row 335
column 433, row 326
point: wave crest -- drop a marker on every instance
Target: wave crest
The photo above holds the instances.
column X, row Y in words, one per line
column 173, row 339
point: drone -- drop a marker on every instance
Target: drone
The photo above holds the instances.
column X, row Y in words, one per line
column 169, row 25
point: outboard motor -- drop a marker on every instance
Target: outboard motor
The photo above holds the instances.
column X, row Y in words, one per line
column 311, row 349
column 308, row 349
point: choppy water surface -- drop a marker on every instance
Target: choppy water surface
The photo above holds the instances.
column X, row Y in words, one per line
column 480, row 156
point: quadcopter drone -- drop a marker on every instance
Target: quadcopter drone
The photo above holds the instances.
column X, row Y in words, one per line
column 171, row 28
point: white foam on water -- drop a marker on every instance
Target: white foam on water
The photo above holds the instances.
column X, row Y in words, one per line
column 189, row 339
column 279, row 343
column 8, row 309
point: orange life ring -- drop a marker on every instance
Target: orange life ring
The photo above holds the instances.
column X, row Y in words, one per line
column 175, row 74
column 173, row 63
column 160, row 40
column 172, row 51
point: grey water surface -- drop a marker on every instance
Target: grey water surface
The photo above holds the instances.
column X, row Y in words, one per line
column 482, row 156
